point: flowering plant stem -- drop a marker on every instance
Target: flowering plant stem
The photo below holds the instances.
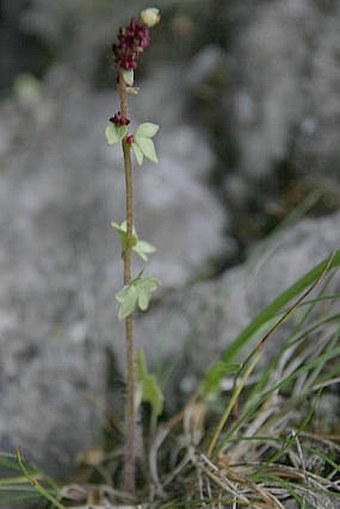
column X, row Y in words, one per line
column 136, row 292
column 129, row 474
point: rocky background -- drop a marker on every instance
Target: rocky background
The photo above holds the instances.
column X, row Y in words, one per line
column 247, row 96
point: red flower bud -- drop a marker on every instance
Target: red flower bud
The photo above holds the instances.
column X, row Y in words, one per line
column 132, row 40
column 118, row 119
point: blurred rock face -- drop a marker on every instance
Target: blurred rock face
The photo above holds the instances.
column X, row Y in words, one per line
column 286, row 103
column 239, row 91
column 268, row 93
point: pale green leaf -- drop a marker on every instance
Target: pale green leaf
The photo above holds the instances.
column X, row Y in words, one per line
column 121, row 229
column 128, row 76
column 132, row 90
column 115, row 226
column 146, row 247
column 122, row 234
column 144, row 288
column 147, row 147
column 114, row 134
column 127, row 299
column 121, row 294
column 143, row 248
column 140, row 247
column 147, row 130
column 149, row 283
column 137, row 293
column 148, row 387
column 143, row 299
column 138, row 153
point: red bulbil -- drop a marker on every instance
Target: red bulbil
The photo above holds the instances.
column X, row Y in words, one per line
column 129, row 139
column 118, row 119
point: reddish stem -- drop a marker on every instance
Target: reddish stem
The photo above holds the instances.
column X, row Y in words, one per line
column 129, row 473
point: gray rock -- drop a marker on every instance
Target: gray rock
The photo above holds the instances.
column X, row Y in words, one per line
column 286, row 71
column 268, row 57
column 269, row 98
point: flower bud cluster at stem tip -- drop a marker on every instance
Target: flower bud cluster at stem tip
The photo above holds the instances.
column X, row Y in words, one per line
column 133, row 39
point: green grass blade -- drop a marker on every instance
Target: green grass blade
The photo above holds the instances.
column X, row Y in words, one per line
column 39, row 488
column 269, row 312
column 232, row 401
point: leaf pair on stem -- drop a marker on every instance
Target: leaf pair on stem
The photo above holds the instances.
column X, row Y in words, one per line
column 141, row 141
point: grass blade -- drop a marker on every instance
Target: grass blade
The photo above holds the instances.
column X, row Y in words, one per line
column 311, row 278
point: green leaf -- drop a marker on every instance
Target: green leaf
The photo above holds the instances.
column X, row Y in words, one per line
column 140, row 247
column 148, row 387
column 147, row 130
column 137, row 293
column 122, row 234
column 143, row 248
column 144, row 288
column 35, row 484
column 128, row 76
column 143, row 299
column 132, row 90
column 143, row 145
column 138, row 153
column 121, row 229
column 114, row 134
column 147, row 147
column 127, row 299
